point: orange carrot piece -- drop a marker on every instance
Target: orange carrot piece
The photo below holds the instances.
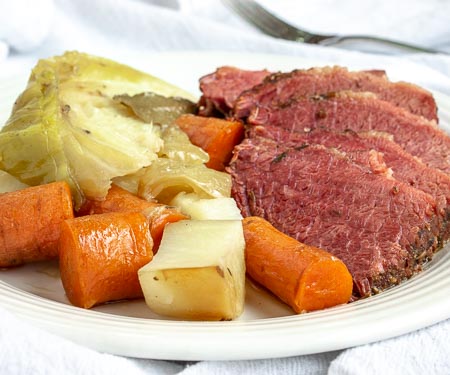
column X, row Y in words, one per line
column 117, row 200
column 216, row 136
column 100, row 256
column 121, row 200
column 305, row 277
column 30, row 220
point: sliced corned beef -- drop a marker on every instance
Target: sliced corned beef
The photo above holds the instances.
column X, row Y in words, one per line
column 361, row 112
column 221, row 88
column 359, row 146
column 350, row 143
column 282, row 87
column 381, row 228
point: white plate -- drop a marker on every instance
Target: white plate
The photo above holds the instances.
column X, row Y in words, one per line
column 267, row 328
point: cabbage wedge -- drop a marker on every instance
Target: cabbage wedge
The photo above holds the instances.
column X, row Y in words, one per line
column 66, row 125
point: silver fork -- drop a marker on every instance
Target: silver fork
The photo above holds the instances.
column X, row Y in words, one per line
column 268, row 23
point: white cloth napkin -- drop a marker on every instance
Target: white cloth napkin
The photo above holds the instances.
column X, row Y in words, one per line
column 125, row 28
column 419, row 22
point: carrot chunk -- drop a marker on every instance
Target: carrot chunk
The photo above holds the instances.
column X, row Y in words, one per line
column 216, row 136
column 304, row 277
column 121, row 200
column 100, row 256
column 30, row 222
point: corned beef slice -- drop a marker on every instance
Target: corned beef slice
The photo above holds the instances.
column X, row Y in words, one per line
column 359, row 147
column 412, row 171
column 381, row 228
column 221, row 88
column 361, row 112
column 348, row 142
column 282, row 87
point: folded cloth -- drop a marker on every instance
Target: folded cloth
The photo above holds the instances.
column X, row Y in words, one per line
column 422, row 352
column 25, row 349
column 125, row 29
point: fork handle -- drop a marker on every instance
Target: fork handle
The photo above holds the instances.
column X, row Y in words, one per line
column 338, row 39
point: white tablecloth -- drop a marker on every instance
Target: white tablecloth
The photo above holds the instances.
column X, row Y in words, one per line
column 123, row 28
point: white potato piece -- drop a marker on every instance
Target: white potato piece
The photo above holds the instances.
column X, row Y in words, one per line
column 198, row 272
column 207, row 208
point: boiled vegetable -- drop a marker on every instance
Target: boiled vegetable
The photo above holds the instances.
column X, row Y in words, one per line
column 165, row 178
column 207, row 208
column 199, row 271
column 304, row 277
column 120, row 200
column 100, row 256
column 180, row 168
column 216, row 136
column 151, row 107
column 177, row 146
column 66, row 125
column 30, row 222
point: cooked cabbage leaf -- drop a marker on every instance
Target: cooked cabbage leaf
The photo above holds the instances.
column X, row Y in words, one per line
column 66, row 125
column 165, row 178
column 179, row 168
column 177, row 146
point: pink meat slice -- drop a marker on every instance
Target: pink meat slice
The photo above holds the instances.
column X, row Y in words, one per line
column 361, row 112
column 381, row 228
column 283, row 87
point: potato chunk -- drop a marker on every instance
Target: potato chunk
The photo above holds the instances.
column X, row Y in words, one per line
column 206, row 208
column 198, row 272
